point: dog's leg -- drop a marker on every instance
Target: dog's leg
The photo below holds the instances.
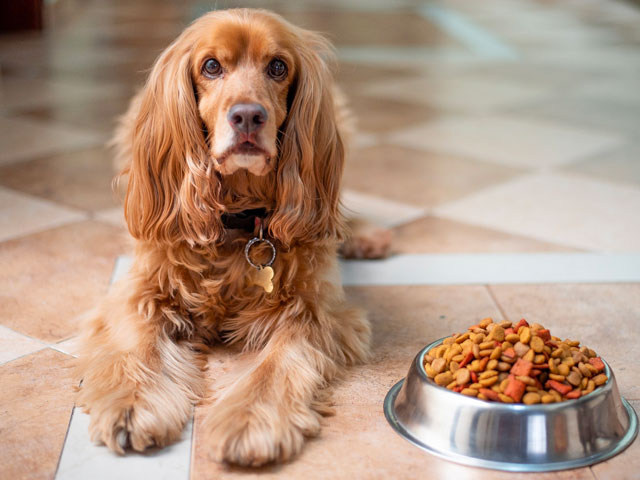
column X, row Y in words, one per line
column 264, row 410
column 138, row 384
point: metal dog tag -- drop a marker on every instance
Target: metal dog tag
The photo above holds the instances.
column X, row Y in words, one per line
column 262, row 278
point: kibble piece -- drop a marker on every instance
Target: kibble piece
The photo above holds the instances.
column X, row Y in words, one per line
column 444, row 378
column 525, row 335
column 497, row 333
column 531, row 398
column 536, row 344
column 470, row 392
column 521, row 349
column 600, row 379
column 563, row 369
column 574, row 378
column 463, row 376
column 438, row 365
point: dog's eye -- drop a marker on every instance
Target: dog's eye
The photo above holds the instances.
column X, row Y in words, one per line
column 212, row 68
column 277, row 69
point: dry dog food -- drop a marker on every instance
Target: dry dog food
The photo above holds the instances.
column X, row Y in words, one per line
column 514, row 363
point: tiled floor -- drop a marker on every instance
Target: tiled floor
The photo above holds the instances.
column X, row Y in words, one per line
column 494, row 127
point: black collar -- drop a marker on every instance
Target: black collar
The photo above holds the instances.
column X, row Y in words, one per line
column 244, row 220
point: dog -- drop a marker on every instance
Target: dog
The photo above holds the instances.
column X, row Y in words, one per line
column 234, row 151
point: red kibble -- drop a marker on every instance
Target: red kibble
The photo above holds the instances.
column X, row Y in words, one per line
column 544, row 334
column 574, row 394
column 561, row 388
column 521, row 323
column 515, row 388
column 466, row 359
column 522, row 368
column 597, row 363
column 490, row 394
column 510, row 352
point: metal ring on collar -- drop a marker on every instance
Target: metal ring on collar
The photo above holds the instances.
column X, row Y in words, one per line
column 250, row 243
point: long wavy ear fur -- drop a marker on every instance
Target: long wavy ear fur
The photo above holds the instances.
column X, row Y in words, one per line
column 311, row 153
column 173, row 190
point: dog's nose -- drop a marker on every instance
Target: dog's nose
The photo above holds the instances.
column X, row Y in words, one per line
column 247, row 117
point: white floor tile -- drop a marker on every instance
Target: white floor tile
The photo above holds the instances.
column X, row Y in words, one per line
column 557, row 208
column 14, row 345
column 507, row 140
column 82, row 460
column 122, row 266
column 114, row 216
column 23, row 214
column 378, row 210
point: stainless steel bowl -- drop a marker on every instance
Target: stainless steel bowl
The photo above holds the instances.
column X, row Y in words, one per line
column 513, row 437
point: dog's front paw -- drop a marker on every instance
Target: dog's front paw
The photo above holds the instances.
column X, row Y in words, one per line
column 258, row 435
column 133, row 426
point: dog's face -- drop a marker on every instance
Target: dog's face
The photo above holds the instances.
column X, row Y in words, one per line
column 238, row 91
column 242, row 74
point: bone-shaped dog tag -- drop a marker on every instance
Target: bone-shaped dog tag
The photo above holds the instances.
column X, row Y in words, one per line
column 262, row 278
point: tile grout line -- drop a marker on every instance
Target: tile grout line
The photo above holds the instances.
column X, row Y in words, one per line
column 495, row 301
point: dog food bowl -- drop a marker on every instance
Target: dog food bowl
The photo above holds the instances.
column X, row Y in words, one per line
column 512, row 437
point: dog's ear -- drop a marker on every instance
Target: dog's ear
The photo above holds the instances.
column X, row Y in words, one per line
column 311, row 151
column 172, row 189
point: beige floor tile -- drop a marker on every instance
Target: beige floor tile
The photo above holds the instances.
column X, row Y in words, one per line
column 620, row 165
column 461, row 93
column 352, row 27
column 626, row 465
column 382, row 115
column 603, row 317
column 98, row 115
column 22, row 214
column 79, row 179
column 352, row 77
column 438, row 235
column 546, row 206
column 14, row 345
column 37, row 398
column 21, row 93
column 417, row 177
column 22, row 139
column 51, row 277
column 508, row 140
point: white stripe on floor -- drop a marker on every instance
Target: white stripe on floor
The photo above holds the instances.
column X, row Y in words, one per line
column 489, row 268
column 471, row 35
column 464, row 269
column 82, row 460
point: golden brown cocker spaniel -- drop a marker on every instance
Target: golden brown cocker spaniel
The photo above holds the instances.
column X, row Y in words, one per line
column 235, row 132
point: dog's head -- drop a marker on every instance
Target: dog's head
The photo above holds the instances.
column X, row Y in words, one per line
column 239, row 92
